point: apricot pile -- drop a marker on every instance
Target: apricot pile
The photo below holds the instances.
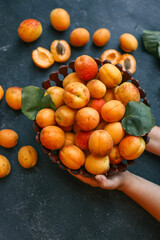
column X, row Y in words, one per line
column 86, row 126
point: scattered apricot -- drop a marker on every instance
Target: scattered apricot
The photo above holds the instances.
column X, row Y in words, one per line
column 128, row 63
column 5, row 166
column 52, row 137
column 97, row 165
column 56, row 94
column 87, row 118
column 45, row 117
column 30, row 30
column 13, row 97
column 65, row 116
column 79, row 37
column 101, row 37
column 96, row 88
column 128, row 42
column 61, row 50
column 60, row 19
column 8, row 138
column 42, row 57
column 109, row 95
column 27, row 157
column 72, row 156
column 1, row 92
column 113, row 111
column 86, row 67
column 100, row 143
column 69, row 138
column 126, row 93
column 116, row 131
column 110, row 75
column 72, row 77
column 114, row 156
column 111, row 55
column 82, row 138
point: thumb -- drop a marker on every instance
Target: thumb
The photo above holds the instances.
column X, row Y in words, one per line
column 103, row 182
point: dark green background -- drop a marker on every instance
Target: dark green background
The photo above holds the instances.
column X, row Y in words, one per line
column 46, row 203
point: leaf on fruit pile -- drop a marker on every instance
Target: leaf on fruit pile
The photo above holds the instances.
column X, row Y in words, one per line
column 151, row 40
column 138, row 119
column 33, row 100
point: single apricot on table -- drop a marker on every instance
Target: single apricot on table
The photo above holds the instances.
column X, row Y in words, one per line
column 86, row 67
column 72, row 77
column 96, row 88
column 42, row 57
column 128, row 62
column 52, row 137
column 60, row 19
column 61, row 50
column 30, row 30
column 27, row 157
column 82, row 138
column 111, row 55
column 72, row 157
column 65, row 116
column 79, row 37
column 113, row 111
column 56, row 94
column 69, row 138
column 97, row 165
column 116, row 131
column 8, row 138
column 5, row 166
column 128, row 42
column 45, row 117
column 13, row 97
column 1, row 92
column 114, row 155
column 101, row 37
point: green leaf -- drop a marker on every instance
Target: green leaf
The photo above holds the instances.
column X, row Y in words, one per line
column 33, row 100
column 138, row 119
column 151, row 40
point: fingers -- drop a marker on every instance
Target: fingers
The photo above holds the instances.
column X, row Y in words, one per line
column 104, row 182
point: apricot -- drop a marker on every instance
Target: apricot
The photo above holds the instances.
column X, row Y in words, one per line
column 100, row 143
column 128, row 63
column 109, row 95
column 45, row 117
column 61, row 50
column 82, row 138
column 101, row 37
column 65, row 116
column 65, row 129
column 86, row 67
column 131, row 147
column 76, row 95
column 111, row 55
column 87, row 118
column 30, row 30
column 69, row 138
column 72, row 157
column 76, row 128
column 97, row 165
column 13, row 97
column 1, row 92
column 72, row 77
column 110, row 75
column 127, row 92
column 113, row 111
column 52, row 137
column 42, row 57
column 101, row 125
column 8, row 138
column 128, row 42
column 27, row 157
column 79, row 37
column 96, row 88
column 5, row 166
column 60, row 19
column 114, row 156
column 116, row 131
column 56, row 94
column 97, row 104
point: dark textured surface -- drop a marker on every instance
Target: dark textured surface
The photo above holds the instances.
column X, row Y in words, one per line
column 46, row 203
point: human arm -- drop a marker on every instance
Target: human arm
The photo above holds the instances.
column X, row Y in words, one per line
column 153, row 145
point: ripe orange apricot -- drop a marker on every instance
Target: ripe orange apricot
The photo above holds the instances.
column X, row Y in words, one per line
column 30, row 30
column 76, row 128
column 72, row 156
column 5, row 166
column 56, row 94
column 109, row 95
column 1, row 92
column 27, row 157
column 101, row 37
column 13, row 97
column 52, row 137
column 111, row 55
column 114, row 156
column 8, row 138
column 96, row 88
column 79, row 37
column 65, row 116
column 97, row 165
column 72, row 77
column 113, row 111
column 61, row 50
column 65, row 129
column 60, row 19
column 69, row 138
column 42, row 57
column 128, row 42
column 116, row 131
column 97, row 104
column 128, row 62
column 45, row 117
column 82, row 138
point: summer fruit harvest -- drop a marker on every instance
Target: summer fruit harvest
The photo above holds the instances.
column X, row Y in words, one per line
column 13, row 97
column 5, row 166
column 60, row 19
column 8, row 138
column 27, row 157
column 30, row 30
